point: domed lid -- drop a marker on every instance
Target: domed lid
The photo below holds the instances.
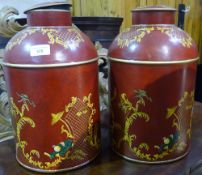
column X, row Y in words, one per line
column 50, row 14
column 51, row 5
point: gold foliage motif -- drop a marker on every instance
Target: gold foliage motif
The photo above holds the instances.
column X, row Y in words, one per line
column 61, row 151
column 69, row 38
column 125, row 38
column 58, row 117
column 187, row 102
column 132, row 114
column 169, row 31
column 92, row 138
column 71, row 105
column 20, row 38
column 137, row 34
column 170, row 144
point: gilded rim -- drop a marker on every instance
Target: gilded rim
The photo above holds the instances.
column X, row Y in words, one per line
column 48, row 65
column 153, row 62
column 56, row 171
column 149, row 162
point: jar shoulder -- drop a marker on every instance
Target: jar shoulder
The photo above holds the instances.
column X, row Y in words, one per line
column 44, row 45
column 153, row 42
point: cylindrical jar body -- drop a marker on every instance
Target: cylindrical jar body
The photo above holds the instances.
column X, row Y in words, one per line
column 51, row 75
column 152, row 83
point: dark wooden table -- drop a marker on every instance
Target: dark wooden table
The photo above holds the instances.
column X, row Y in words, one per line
column 108, row 163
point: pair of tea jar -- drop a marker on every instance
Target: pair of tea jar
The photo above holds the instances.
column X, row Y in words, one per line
column 51, row 75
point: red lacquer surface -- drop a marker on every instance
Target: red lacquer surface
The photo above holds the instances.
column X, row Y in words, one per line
column 152, row 82
column 53, row 96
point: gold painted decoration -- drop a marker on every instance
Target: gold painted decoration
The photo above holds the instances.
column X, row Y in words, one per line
column 70, row 38
column 92, row 138
column 175, row 142
column 179, row 121
column 76, row 112
column 20, row 37
column 128, row 36
column 185, row 41
column 137, row 34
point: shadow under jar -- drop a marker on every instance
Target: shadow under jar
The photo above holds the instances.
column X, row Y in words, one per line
column 51, row 75
column 152, row 82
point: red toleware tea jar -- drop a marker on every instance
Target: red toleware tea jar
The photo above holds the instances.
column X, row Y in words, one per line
column 152, row 72
column 51, row 74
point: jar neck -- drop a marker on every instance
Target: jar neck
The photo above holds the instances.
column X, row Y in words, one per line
column 49, row 18
column 151, row 17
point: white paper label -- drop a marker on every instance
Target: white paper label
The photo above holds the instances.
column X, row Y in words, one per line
column 38, row 50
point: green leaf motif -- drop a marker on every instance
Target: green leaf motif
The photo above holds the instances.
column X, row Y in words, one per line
column 141, row 94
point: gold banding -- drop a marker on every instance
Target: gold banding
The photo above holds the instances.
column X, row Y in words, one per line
column 48, row 65
column 153, row 62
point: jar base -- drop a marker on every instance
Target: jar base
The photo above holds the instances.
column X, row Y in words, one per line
column 55, row 171
column 150, row 162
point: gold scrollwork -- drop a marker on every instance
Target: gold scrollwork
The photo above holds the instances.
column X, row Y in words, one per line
column 171, row 143
column 125, row 38
column 92, row 138
column 65, row 149
column 69, row 38
column 186, row 41
column 17, row 40
column 136, row 35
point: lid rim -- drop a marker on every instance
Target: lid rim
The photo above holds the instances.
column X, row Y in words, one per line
column 49, row 10
column 153, row 8
column 46, row 5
